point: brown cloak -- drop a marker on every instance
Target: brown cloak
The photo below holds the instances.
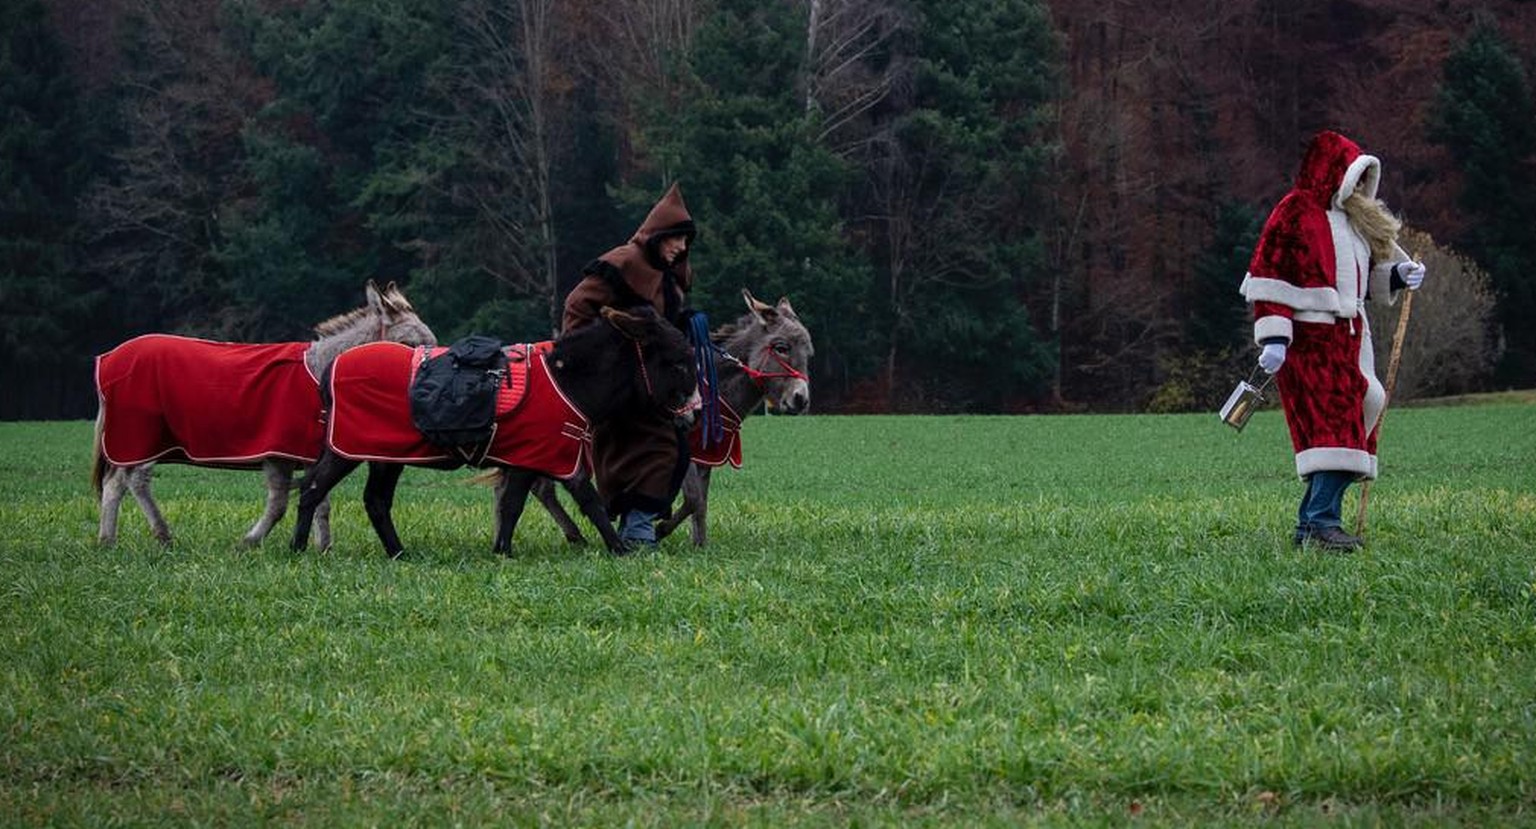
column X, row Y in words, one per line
column 638, row 463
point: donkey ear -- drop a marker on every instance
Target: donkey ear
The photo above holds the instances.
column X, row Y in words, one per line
column 786, row 309
column 375, row 299
column 395, row 299
column 764, row 312
column 628, row 324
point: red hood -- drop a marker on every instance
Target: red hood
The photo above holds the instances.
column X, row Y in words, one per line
column 1329, row 170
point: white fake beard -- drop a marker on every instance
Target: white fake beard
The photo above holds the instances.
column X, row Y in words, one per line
column 1374, row 222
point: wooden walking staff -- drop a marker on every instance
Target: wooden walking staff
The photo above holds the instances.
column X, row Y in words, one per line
column 1398, row 336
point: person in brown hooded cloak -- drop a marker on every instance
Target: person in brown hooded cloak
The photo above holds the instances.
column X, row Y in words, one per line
column 638, row 464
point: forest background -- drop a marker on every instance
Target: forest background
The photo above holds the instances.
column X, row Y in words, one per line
column 1000, row 206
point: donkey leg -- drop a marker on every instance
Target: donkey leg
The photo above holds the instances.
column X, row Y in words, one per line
column 138, row 483
column 114, row 486
column 379, row 501
column 591, row 505
column 544, row 490
column 690, row 503
column 323, row 523
column 313, row 491
column 279, row 475
column 511, row 495
column 664, row 528
column 697, row 493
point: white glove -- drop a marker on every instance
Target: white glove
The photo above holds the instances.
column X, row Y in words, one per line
column 1412, row 274
column 1272, row 357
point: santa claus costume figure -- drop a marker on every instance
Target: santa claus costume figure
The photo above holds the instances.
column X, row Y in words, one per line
column 1327, row 247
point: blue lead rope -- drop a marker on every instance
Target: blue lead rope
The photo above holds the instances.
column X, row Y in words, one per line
column 709, row 385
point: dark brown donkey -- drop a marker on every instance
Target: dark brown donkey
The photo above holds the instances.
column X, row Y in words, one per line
column 762, row 356
column 631, row 362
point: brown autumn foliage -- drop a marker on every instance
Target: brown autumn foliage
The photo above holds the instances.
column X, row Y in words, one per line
column 1176, row 107
column 1172, row 108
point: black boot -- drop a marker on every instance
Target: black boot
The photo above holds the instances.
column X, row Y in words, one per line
column 1330, row 539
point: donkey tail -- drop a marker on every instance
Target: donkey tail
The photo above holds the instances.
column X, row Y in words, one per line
column 490, row 476
column 98, row 458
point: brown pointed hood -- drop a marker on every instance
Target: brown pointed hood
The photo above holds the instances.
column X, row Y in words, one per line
column 668, row 218
column 634, row 270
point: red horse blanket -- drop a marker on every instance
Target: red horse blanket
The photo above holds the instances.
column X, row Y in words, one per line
column 169, row 398
column 536, row 426
column 719, row 452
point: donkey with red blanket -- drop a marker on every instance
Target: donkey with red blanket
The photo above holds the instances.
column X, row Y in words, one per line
column 776, row 349
column 634, row 361
column 177, row 399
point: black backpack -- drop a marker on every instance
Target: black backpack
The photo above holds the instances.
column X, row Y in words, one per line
column 453, row 398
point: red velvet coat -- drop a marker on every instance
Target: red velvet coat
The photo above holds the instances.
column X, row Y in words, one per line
column 1308, row 281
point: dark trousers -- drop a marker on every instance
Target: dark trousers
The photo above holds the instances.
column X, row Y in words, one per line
column 1323, row 502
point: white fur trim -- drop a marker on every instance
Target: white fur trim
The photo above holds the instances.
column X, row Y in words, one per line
column 1381, row 277
column 1375, row 393
column 1351, row 259
column 1336, row 459
column 1320, row 317
column 1269, row 289
column 1271, row 326
column 1363, row 173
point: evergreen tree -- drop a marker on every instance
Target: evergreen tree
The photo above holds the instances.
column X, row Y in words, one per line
column 1216, row 330
column 954, row 184
column 1218, row 319
column 1484, row 114
column 762, row 190
column 45, row 304
column 336, row 161
column 412, row 140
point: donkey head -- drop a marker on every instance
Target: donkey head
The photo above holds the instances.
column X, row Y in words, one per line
column 398, row 322
column 664, row 359
column 777, row 347
column 388, row 316
column 631, row 361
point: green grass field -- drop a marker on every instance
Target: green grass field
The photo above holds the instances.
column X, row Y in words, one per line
column 931, row 621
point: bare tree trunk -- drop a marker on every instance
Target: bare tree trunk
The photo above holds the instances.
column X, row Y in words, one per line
column 508, row 103
column 813, row 24
column 841, row 82
column 633, row 58
column 537, row 49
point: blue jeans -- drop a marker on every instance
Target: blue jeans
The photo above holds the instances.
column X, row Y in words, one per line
column 638, row 526
column 1323, row 502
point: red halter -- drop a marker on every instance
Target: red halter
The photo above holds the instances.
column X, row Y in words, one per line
column 759, row 377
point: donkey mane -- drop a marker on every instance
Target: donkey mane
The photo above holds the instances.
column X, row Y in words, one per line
column 392, row 300
column 741, row 330
column 729, row 331
column 588, row 345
